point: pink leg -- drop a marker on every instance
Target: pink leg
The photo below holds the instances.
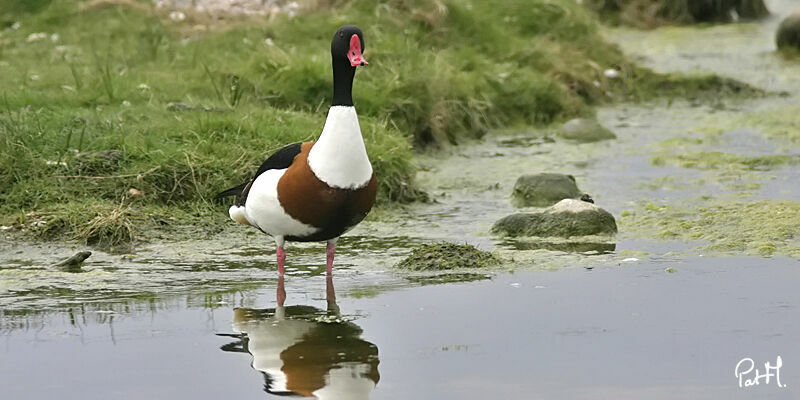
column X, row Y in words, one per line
column 281, row 293
column 281, row 259
column 330, row 251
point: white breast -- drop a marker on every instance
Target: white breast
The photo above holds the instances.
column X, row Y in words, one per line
column 339, row 157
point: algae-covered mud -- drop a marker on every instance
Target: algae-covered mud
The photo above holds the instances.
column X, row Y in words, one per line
column 700, row 275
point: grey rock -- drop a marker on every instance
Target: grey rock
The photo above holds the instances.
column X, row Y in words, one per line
column 567, row 218
column 788, row 35
column 585, row 130
column 545, row 189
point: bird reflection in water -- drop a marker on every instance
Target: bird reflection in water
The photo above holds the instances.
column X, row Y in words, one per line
column 305, row 351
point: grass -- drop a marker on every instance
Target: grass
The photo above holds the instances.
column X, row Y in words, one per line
column 111, row 113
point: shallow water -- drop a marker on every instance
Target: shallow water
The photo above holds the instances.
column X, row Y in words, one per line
column 630, row 317
column 629, row 332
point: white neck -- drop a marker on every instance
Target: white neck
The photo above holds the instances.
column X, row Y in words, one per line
column 339, row 157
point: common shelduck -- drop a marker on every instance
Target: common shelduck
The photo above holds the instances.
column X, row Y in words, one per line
column 315, row 191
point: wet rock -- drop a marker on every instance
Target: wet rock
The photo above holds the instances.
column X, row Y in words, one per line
column 541, row 190
column 585, row 130
column 447, row 256
column 657, row 12
column 73, row 264
column 788, row 36
column 567, row 218
column 706, row 10
column 751, row 9
column 693, row 11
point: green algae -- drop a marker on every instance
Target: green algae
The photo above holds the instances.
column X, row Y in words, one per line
column 706, row 88
column 762, row 227
column 781, row 123
column 704, row 160
column 694, row 151
column 445, row 256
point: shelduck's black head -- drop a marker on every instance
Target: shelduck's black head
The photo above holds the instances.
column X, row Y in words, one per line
column 347, row 49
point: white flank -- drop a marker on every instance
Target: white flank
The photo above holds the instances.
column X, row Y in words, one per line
column 339, row 157
column 263, row 210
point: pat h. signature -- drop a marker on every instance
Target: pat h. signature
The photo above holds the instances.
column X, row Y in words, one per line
column 748, row 375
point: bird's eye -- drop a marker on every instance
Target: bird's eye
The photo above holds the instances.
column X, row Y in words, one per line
column 341, row 34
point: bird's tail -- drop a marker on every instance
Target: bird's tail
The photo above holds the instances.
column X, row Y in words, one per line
column 234, row 191
column 238, row 214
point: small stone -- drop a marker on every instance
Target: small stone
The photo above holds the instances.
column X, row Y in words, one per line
column 567, row 218
column 134, row 192
column 585, row 130
column 611, row 73
column 177, row 16
column 544, row 189
column 73, row 264
column 788, row 35
column 33, row 37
